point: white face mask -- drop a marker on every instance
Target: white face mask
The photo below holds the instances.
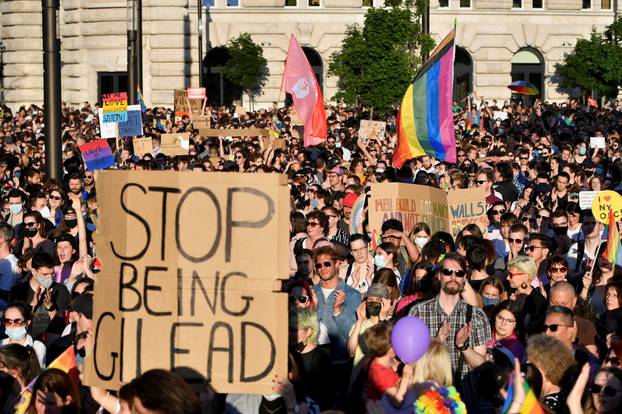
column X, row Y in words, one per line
column 421, row 241
column 379, row 261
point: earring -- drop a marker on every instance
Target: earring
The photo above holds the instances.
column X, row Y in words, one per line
column 524, row 285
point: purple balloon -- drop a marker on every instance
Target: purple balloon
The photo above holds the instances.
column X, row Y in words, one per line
column 410, row 339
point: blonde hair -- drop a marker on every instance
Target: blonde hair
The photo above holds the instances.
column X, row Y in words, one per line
column 525, row 264
column 434, row 365
column 307, row 319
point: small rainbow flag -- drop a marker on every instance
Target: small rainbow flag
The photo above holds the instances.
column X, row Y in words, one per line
column 425, row 120
column 613, row 252
column 530, row 404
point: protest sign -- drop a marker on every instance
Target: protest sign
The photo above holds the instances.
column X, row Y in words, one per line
column 502, row 115
column 133, row 127
column 233, row 132
column 142, row 146
column 196, row 93
column 605, row 201
column 175, row 144
column 597, row 142
column 372, row 130
column 183, row 106
column 467, row 206
column 115, row 107
column 97, row 155
column 187, row 283
column 586, row 198
column 106, row 129
column 200, row 121
column 408, row 203
column 295, row 119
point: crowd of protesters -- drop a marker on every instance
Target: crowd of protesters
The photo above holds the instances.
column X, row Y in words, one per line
column 527, row 298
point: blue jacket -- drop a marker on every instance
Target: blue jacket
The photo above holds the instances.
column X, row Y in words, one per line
column 339, row 326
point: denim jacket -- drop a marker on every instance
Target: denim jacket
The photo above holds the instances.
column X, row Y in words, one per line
column 339, row 326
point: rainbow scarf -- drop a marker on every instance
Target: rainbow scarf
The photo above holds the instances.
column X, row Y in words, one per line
column 530, row 404
column 613, row 252
column 425, row 120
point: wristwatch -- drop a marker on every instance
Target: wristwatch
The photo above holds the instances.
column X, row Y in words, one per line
column 464, row 346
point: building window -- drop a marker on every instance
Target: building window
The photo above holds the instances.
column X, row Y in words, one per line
column 111, row 82
column 233, row 3
column 314, row 3
column 368, row 3
column 605, row 4
column 586, row 4
column 208, row 3
column 517, row 4
column 465, row 4
column 536, row 4
column 443, row 3
column 291, row 3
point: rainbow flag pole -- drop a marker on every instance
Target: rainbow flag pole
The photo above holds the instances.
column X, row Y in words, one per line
column 613, row 252
column 425, row 120
column 530, row 404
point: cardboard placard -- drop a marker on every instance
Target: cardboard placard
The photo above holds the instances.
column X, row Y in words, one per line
column 200, row 121
column 467, row 206
column 502, row 115
column 106, row 129
column 295, row 119
column 187, row 283
column 142, row 146
column 233, row 132
column 604, row 202
column 196, row 93
column 133, row 127
column 597, row 142
column 175, row 144
column 97, row 155
column 372, row 130
column 586, row 198
column 115, row 107
column 181, row 106
column 410, row 204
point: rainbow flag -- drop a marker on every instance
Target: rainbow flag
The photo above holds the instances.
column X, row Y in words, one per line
column 613, row 253
column 425, row 120
column 530, row 404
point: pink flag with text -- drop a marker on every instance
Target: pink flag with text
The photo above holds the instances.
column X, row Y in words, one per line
column 299, row 81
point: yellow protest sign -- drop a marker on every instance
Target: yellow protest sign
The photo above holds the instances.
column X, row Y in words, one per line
column 605, row 201
column 187, row 283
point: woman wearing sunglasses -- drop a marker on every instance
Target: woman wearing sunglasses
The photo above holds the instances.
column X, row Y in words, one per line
column 521, row 272
column 33, row 231
column 607, row 391
column 557, row 271
column 17, row 319
column 57, row 201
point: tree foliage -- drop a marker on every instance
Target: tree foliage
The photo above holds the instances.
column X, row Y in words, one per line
column 378, row 60
column 246, row 65
column 595, row 64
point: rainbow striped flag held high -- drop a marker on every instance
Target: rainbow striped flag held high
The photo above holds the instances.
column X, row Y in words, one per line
column 530, row 404
column 425, row 121
column 613, row 253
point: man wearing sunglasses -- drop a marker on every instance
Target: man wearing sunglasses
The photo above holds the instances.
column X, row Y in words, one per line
column 336, row 308
column 464, row 329
column 539, row 249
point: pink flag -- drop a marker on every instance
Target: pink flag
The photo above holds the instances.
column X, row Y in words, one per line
column 299, row 81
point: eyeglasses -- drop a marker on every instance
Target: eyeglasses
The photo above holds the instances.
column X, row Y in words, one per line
column 325, row 264
column 532, row 248
column 524, row 158
column 498, row 212
column 461, row 155
column 332, row 216
column 481, row 181
column 615, row 361
column 561, row 269
column 57, row 198
column 540, row 216
column 512, row 275
column 457, row 272
column 302, row 299
column 312, row 223
column 238, row 157
column 504, row 320
column 554, row 327
column 88, row 176
column 515, row 241
column 16, row 322
column 30, row 224
column 608, row 390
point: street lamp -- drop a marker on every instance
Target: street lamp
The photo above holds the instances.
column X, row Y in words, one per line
column 132, row 59
column 200, row 31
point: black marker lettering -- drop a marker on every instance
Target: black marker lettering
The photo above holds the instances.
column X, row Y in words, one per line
column 155, row 288
column 128, row 286
column 174, row 349
column 266, row 371
column 139, row 218
column 196, row 280
column 113, row 355
column 217, row 222
column 223, row 302
column 212, row 349
column 165, row 191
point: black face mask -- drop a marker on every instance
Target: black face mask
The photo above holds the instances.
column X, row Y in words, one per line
column 71, row 223
column 32, row 232
column 560, row 231
column 373, row 308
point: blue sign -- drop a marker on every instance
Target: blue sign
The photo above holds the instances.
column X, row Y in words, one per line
column 115, row 117
column 133, row 127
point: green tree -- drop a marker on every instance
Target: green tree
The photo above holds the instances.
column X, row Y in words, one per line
column 246, row 65
column 595, row 64
column 378, row 60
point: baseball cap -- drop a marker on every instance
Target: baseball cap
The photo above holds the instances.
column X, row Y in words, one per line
column 377, row 290
column 349, row 200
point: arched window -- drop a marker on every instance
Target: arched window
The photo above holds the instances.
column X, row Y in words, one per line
column 528, row 65
column 463, row 74
column 219, row 90
column 315, row 60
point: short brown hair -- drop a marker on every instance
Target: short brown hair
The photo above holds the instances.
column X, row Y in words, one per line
column 378, row 339
column 551, row 356
column 325, row 251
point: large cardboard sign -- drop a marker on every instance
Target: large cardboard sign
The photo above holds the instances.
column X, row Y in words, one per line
column 467, row 206
column 372, row 130
column 200, row 121
column 233, row 132
column 183, row 106
column 187, row 282
column 175, row 144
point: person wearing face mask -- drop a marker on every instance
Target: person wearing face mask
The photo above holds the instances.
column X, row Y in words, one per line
column 17, row 320
column 386, row 257
column 33, row 230
column 374, row 309
column 48, row 299
column 559, row 225
column 492, row 292
column 16, row 209
column 420, row 235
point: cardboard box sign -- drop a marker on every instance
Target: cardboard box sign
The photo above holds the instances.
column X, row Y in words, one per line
column 233, row 132
column 175, row 144
column 200, row 121
column 372, row 130
column 187, row 283
column 142, row 146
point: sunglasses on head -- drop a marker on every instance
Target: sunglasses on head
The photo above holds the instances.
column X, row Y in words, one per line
column 457, row 272
column 319, row 265
column 608, row 390
column 302, row 298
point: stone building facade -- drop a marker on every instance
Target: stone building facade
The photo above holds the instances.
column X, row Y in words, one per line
column 500, row 41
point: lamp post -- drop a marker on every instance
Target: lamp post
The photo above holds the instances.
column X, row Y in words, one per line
column 52, row 89
column 200, row 32
column 139, row 43
column 132, row 59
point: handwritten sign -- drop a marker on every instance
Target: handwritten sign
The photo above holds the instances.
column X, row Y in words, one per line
column 200, row 121
column 187, row 284
column 97, row 155
column 467, row 206
column 115, row 107
column 597, row 142
column 586, row 198
column 175, row 144
column 142, row 146
column 605, row 201
column 133, row 127
column 233, row 132
column 183, row 106
column 501, row 115
column 372, row 130
column 106, row 129
column 195, row 93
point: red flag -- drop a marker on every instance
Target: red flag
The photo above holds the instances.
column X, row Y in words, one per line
column 299, row 81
